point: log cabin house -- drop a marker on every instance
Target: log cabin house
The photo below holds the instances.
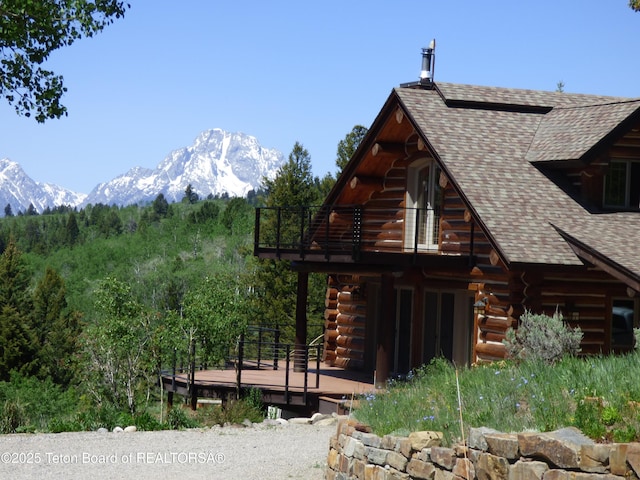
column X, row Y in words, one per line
column 462, row 196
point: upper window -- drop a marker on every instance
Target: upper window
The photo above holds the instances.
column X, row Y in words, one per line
column 622, row 184
column 424, row 201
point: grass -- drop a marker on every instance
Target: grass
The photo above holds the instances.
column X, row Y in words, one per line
column 599, row 395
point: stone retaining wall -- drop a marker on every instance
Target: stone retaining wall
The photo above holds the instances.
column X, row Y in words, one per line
column 565, row 454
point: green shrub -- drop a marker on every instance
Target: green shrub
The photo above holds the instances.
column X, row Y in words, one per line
column 38, row 401
column 253, row 398
column 541, row 337
column 587, row 418
column 178, row 419
column 147, row 422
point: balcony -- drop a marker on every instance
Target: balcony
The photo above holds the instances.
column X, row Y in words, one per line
column 347, row 234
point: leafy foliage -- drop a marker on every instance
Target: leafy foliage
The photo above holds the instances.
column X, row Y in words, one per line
column 541, row 337
column 30, row 404
column 178, row 419
column 215, row 315
column 29, row 32
column 117, row 353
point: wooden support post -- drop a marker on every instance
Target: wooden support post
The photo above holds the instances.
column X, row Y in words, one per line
column 194, row 398
column 385, row 332
column 299, row 362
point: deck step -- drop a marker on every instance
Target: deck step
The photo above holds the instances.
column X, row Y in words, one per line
column 328, row 405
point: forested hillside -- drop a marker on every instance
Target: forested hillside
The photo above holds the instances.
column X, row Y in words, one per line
column 95, row 302
column 98, row 300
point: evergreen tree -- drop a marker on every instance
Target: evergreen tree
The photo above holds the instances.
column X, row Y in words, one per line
column 293, row 184
column 72, row 230
column 18, row 342
column 348, row 146
column 14, row 280
column 57, row 330
column 160, row 206
column 8, row 212
column 189, row 195
column 31, row 210
column 275, row 285
column 237, row 216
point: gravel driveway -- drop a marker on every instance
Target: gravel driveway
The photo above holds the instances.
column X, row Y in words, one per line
column 259, row 452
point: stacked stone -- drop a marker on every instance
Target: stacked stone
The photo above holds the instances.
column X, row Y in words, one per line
column 566, row 454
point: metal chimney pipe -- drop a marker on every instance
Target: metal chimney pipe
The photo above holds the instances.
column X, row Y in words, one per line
column 428, row 63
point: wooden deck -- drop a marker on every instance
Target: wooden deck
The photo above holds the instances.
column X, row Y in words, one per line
column 327, row 387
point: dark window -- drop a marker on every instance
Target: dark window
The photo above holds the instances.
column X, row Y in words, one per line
column 622, row 323
column 622, row 185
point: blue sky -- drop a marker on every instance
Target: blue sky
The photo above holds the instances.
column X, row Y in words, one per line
column 286, row 71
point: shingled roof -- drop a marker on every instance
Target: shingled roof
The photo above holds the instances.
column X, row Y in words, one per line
column 488, row 141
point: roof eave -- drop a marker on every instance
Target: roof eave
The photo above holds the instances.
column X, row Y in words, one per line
column 601, row 261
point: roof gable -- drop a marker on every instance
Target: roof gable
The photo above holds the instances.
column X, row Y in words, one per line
column 487, row 153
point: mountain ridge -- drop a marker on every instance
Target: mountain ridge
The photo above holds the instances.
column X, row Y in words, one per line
column 217, row 162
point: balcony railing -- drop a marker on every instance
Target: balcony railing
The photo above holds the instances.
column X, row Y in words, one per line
column 346, row 231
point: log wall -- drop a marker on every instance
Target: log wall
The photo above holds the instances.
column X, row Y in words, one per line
column 345, row 319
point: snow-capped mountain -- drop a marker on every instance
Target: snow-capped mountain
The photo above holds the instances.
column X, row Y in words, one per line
column 19, row 190
column 218, row 162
